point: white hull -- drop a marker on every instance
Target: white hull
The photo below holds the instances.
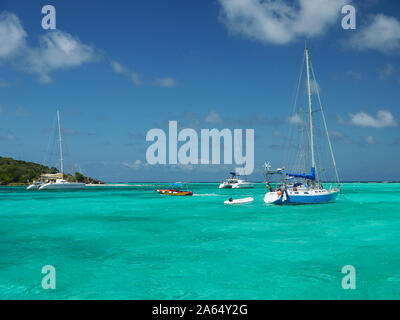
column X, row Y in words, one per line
column 62, row 186
column 301, row 197
column 236, row 184
column 34, row 186
column 240, row 201
column 225, row 186
column 243, row 185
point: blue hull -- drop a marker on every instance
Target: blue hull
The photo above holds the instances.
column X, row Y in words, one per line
column 308, row 199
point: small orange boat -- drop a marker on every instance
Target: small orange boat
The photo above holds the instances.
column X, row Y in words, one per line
column 177, row 189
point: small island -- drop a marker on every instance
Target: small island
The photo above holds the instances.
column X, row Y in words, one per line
column 19, row 173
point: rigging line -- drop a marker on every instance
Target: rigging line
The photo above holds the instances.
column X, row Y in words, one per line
column 296, row 96
column 325, row 125
column 50, row 142
column 69, row 156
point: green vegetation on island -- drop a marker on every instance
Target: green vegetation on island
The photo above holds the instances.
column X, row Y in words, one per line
column 17, row 172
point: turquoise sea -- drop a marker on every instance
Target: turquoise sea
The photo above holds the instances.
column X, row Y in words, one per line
column 132, row 243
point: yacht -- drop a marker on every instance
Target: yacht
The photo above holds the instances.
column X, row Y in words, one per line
column 56, row 181
column 303, row 187
column 235, row 182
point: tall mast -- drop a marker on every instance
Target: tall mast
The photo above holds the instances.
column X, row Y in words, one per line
column 310, row 110
column 60, row 140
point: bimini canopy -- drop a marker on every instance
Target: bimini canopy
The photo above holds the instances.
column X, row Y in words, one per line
column 310, row 176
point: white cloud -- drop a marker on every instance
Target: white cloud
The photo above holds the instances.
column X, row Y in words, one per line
column 383, row 119
column 166, row 82
column 295, row 119
column 370, row 140
column 20, row 112
column 137, row 78
column 56, row 50
column 386, row 71
column 10, row 136
column 382, row 34
column 12, row 35
column 354, row 74
column 132, row 75
column 133, row 165
column 213, row 117
column 279, row 22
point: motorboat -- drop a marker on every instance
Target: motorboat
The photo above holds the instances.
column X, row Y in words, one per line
column 235, row 182
column 176, row 189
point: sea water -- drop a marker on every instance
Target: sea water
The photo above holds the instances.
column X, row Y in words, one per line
column 132, row 243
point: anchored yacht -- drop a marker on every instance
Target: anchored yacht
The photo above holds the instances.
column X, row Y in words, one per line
column 235, row 182
column 56, row 181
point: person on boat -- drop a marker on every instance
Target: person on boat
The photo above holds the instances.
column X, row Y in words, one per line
column 230, row 199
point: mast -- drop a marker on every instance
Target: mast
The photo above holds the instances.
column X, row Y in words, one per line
column 60, row 140
column 310, row 110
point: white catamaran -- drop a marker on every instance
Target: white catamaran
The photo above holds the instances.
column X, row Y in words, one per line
column 56, row 181
column 235, row 182
column 305, row 188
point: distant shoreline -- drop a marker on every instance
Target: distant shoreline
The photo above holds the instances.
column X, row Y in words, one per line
column 128, row 184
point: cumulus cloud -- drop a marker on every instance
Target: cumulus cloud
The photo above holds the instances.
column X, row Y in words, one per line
column 20, row 112
column 8, row 136
column 137, row 78
column 281, row 21
column 295, row 119
column 134, row 76
column 383, row 119
column 370, row 140
column 56, row 49
column 213, row 117
column 381, row 34
column 354, row 74
column 166, row 82
column 12, row 35
column 387, row 71
column 133, row 165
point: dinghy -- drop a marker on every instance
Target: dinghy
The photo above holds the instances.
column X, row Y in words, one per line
column 239, row 201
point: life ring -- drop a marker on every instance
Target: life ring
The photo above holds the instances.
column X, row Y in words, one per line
column 279, row 193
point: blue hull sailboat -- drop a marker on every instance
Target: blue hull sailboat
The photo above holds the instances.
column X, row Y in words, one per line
column 304, row 188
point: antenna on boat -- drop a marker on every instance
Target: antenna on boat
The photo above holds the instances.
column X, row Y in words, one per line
column 60, row 140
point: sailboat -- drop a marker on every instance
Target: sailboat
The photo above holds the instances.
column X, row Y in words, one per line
column 306, row 187
column 56, row 181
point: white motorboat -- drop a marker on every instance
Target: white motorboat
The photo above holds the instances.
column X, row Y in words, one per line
column 56, row 181
column 235, row 182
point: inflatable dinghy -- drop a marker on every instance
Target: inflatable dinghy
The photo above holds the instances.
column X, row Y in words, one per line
column 239, row 201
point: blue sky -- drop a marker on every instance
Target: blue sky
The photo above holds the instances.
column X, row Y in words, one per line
column 224, row 64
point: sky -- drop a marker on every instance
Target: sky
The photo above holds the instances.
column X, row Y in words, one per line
column 118, row 69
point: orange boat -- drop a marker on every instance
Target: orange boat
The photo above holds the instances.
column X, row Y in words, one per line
column 177, row 189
